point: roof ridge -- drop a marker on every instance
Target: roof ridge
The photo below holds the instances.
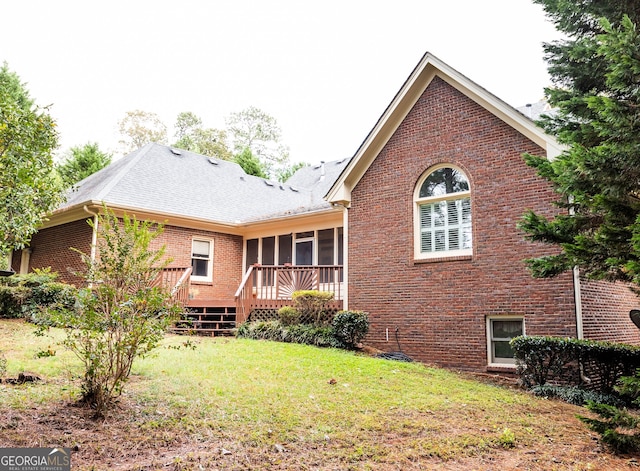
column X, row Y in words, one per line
column 120, row 175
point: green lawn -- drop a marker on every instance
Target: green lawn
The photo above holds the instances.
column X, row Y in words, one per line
column 243, row 404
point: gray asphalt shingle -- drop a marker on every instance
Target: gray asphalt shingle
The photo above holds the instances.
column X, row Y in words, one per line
column 160, row 179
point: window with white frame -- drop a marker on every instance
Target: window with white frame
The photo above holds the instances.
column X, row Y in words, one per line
column 500, row 331
column 443, row 214
column 201, row 260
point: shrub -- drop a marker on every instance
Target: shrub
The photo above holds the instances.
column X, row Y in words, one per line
column 319, row 336
column 124, row 315
column 288, row 315
column 34, row 296
column 543, row 359
column 312, row 305
column 576, row 395
column 350, row 327
column 539, row 359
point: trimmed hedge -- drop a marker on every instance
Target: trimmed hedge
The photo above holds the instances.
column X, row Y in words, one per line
column 33, row 295
column 299, row 333
column 346, row 330
column 576, row 395
column 569, row 361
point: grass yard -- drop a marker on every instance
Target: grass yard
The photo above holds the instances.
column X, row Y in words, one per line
column 241, row 405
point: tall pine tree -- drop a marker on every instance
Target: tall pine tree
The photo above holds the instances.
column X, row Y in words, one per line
column 596, row 94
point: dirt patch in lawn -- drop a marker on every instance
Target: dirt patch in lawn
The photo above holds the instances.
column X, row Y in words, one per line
column 130, row 439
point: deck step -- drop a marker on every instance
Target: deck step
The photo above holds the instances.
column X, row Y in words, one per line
column 207, row 320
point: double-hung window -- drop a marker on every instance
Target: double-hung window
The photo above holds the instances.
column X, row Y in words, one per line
column 443, row 214
column 202, row 260
column 500, row 331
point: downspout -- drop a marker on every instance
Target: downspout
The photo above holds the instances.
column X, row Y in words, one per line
column 577, row 295
column 94, row 235
column 578, row 303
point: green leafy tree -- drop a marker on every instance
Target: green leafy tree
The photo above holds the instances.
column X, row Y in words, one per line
column 80, row 162
column 250, row 164
column 190, row 135
column 595, row 69
column 254, row 129
column 29, row 188
column 139, row 128
column 124, row 313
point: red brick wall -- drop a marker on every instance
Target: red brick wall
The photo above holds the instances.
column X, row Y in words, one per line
column 227, row 260
column 440, row 307
column 605, row 312
column 52, row 248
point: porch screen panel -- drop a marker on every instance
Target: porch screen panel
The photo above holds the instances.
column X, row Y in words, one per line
column 268, row 250
column 268, row 258
column 285, row 249
column 326, row 245
column 252, row 253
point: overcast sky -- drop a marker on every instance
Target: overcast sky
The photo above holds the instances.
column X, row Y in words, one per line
column 325, row 70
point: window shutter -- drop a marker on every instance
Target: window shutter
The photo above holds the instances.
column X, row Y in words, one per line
column 426, row 233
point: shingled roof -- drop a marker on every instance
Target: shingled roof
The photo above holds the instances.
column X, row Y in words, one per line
column 168, row 181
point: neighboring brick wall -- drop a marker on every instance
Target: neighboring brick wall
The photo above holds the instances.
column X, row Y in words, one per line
column 227, row 260
column 605, row 312
column 52, row 248
column 440, row 308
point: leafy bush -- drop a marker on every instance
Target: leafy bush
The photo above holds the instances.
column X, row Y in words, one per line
column 34, row 296
column 576, row 395
column 288, row 315
column 312, row 305
column 568, row 361
column 539, row 359
column 299, row 333
column 124, row 315
column 350, row 327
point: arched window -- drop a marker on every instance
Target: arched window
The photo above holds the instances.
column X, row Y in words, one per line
column 443, row 214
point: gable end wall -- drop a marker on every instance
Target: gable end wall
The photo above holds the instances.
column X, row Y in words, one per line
column 439, row 308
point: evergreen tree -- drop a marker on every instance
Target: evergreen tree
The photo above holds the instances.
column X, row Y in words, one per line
column 80, row 162
column 596, row 95
column 250, row 163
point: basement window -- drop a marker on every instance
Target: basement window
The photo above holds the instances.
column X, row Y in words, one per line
column 500, row 331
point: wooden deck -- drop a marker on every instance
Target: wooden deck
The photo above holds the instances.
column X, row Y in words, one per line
column 263, row 290
column 266, row 288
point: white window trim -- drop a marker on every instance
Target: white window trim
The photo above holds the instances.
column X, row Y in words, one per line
column 507, row 363
column 418, row 201
column 209, row 277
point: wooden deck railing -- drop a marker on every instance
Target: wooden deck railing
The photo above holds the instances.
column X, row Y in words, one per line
column 271, row 286
column 176, row 279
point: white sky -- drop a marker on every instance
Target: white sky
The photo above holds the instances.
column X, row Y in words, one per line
column 325, row 70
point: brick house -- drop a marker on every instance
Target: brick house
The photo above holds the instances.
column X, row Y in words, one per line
column 418, row 228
